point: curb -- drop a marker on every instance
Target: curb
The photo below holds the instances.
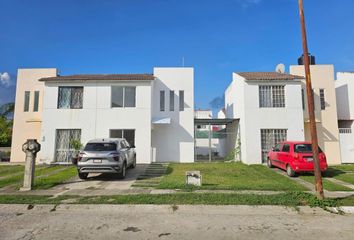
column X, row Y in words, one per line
column 344, row 209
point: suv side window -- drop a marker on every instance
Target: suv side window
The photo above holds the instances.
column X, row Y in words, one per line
column 277, row 148
column 126, row 144
column 286, row 148
column 122, row 145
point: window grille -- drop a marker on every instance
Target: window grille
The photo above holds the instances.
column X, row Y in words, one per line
column 271, row 96
column 64, row 151
column 70, row 97
column 345, row 130
column 270, row 138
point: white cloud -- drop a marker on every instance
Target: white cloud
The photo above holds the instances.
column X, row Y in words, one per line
column 247, row 3
column 5, row 79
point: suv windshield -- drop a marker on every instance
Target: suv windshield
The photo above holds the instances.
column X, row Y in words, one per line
column 304, row 148
column 104, row 147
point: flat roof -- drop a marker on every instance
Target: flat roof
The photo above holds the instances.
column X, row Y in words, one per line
column 215, row 121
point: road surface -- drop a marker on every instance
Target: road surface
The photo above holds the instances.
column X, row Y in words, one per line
column 170, row 222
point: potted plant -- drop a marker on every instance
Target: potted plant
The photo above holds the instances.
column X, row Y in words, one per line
column 76, row 145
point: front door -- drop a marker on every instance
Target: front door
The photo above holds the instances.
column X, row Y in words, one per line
column 63, row 148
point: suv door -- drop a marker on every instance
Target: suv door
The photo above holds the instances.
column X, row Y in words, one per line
column 130, row 153
column 124, row 151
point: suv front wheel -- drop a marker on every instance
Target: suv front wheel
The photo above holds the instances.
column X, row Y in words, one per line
column 83, row 175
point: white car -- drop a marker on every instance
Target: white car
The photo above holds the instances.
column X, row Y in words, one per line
column 106, row 155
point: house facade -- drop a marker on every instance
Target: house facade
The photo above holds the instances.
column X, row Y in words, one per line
column 323, row 84
column 143, row 108
column 28, row 108
column 269, row 108
column 345, row 106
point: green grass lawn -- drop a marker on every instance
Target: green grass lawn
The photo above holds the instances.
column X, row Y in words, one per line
column 229, row 176
column 286, row 199
column 342, row 172
column 327, row 185
column 344, row 167
column 45, row 176
column 10, row 169
column 54, row 179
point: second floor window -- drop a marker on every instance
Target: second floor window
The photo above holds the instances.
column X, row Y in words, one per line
column 181, row 100
column 172, row 100
column 322, row 99
column 162, row 101
column 70, row 97
column 27, row 101
column 36, row 101
column 271, row 97
column 123, row 96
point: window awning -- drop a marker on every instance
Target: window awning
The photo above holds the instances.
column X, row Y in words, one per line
column 161, row 120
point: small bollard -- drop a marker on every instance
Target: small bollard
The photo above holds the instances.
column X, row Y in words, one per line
column 31, row 148
column 193, row 178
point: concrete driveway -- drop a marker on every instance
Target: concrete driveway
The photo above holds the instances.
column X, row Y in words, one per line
column 104, row 181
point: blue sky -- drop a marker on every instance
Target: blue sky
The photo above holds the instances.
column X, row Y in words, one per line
column 216, row 37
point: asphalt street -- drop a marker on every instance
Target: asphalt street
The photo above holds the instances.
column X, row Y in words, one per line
column 171, row 222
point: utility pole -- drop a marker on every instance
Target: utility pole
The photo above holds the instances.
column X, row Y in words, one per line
column 310, row 104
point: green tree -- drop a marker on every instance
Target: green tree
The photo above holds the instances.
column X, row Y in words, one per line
column 6, row 123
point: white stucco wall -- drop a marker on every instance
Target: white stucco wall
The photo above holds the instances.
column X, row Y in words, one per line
column 174, row 142
column 345, row 95
column 242, row 101
column 97, row 117
column 345, row 109
column 204, row 114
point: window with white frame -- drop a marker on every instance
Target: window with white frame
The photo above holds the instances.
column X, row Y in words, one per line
column 123, row 96
column 270, row 138
column 128, row 134
column 70, row 97
column 271, row 96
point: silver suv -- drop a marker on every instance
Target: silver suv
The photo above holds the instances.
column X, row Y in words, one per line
column 106, row 155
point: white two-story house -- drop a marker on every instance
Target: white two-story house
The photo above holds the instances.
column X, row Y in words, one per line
column 154, row 112
column 269, row 108
column 345, row 105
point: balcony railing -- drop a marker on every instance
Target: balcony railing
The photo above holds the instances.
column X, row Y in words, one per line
column 345, row 130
